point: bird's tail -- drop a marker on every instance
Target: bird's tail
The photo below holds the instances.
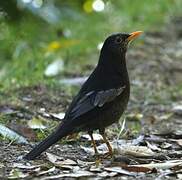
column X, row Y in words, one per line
column 60, row 132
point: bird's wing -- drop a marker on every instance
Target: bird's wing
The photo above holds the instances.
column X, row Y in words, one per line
column 92, row 100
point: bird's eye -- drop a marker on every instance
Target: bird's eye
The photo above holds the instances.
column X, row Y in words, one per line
column 118, row 39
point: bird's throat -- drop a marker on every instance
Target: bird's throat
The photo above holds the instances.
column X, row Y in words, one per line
column 114, row 66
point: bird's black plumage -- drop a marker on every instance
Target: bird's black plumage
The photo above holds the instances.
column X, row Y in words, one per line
column 102, row 98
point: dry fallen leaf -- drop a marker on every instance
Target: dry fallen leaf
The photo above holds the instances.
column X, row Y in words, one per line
column 153, row 147
column 78, row 174
column 119, row 170
column 84, row 163
column 166, row 145
column 95, row 169
column 22, row 130
column 107, row 174
column 88, row 150
column 165, row 165
column 69, row 167
column 59, row 161
column 53, row 158
column 179, row 142
column 137, row 169
column 47, row 171
column 136, row 151
column 165, row 116
column 66, row 162
column 23, row 166
column 1, row 165
column 177, row 109
column 179, row 176
column 10, row 134
column 59, row 116
column 97, row 137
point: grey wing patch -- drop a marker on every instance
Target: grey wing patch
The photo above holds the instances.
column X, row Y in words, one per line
column 83, row 105
column 94, row 99
column 103, row 97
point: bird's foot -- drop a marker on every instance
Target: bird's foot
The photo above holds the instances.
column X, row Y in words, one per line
column 103, row 156
column 107, row 155
column 99, row 158
column 98, row 162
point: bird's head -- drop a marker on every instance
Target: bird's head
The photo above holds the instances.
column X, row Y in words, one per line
column 112, row 56
column 118, row 43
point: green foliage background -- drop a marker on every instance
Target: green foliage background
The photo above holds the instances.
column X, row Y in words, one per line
column 24, row 49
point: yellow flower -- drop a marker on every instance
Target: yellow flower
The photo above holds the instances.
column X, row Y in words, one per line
column 87, row 6
column 54, row 45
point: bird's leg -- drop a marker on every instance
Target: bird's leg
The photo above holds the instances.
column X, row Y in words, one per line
column 93, row 142
column 97, row 162
column 110, row 152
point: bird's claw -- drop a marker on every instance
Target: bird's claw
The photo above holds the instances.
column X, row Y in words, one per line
column 107, row 155
column 103, row 156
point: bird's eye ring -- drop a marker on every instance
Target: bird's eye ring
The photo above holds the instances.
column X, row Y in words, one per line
column 118, row 39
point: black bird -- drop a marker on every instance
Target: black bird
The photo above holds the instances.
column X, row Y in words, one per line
column 101, row 100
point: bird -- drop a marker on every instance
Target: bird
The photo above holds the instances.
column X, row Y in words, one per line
column 101, row 100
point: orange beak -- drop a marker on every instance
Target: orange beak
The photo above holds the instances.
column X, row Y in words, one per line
column 134, row 35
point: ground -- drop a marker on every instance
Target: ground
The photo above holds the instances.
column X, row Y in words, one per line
column 147, row 141
column 155, row 73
